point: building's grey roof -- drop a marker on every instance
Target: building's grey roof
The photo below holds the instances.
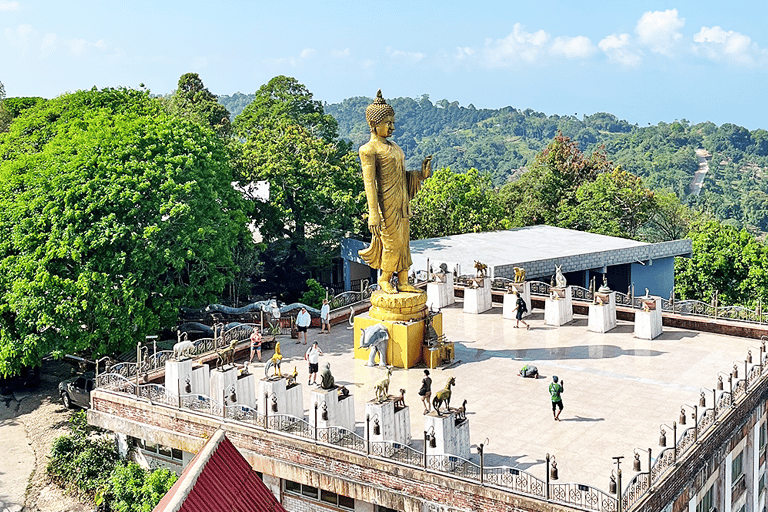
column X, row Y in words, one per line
column 538, row 249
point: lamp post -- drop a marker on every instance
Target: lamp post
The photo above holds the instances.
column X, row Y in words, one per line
column 695, row 417
column 481, row 452
column 376, row 429
column 638, row 468
column 429, row 437
column 615, row 486
column 663, row 439
column 153, row 337
column 550, row 472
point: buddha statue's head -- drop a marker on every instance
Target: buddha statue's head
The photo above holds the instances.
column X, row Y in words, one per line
column 377, row 111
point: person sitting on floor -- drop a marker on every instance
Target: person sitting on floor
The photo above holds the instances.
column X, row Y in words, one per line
column 529, row 371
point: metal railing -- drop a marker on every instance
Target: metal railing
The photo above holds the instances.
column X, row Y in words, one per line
column 670, row 305
column 501, row 477
column 705, row 421
column 153, row 362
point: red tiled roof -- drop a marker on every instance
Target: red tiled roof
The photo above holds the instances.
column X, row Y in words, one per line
column 219, row 479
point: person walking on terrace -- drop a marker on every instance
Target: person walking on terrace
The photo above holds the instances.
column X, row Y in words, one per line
column 313, row 358
column 555, row 390
column 302, row 324
column 325, row 318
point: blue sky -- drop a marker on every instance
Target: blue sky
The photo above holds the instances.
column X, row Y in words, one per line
column 642, row 61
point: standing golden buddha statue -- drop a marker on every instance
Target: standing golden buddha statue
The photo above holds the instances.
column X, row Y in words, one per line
column 389, row 189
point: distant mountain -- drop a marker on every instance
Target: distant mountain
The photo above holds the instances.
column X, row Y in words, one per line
column 502, row 142
column 236, row 103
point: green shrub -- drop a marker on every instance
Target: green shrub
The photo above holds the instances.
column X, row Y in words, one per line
column 131, row 488
column 315, row 295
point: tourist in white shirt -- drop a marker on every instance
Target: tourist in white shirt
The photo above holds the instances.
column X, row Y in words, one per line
column 302, row 323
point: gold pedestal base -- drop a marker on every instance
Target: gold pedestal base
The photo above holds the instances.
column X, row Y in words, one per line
column 398, row 307
column 404, row 349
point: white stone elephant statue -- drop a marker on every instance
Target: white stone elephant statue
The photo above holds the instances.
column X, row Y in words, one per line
column 375, row 338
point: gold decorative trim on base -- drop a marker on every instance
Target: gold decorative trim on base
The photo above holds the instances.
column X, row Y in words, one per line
column 398, row 307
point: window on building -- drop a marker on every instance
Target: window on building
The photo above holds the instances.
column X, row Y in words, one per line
column 761, row 483
column 313, row 493
column 157, row 449
column 737, row 470
column 763, row 432
column 705, row 504
column 379, row 508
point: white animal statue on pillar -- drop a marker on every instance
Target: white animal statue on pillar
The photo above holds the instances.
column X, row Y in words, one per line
column 376, row 338
column 183, row 349
column 559, row 277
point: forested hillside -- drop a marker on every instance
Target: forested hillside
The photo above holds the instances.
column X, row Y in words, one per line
column 503, row 142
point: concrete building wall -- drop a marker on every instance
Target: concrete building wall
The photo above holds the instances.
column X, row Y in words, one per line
column 656, row 275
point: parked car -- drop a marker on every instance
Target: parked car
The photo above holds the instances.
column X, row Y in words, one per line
column 76, row 391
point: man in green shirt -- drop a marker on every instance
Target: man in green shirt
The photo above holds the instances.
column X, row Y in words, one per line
column 555, row 389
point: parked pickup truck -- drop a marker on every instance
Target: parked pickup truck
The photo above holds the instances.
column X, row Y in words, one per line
column 76, row 391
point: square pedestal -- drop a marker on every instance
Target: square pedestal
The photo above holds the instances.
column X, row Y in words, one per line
column 404, row 349
column 245, row 386
column 450, row 438
column 440, row 293
column 177, row 374
column 559, row 311
column 221, row 380
column 201, row 379
column 341, row 410
column 602, row 317
column 394, row 423
column 648, row 323
column 478, row 300
column 289, row 400
column 510, row 301
column 434, row 357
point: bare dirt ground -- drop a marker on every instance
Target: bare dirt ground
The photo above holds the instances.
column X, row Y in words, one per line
column 44, row 419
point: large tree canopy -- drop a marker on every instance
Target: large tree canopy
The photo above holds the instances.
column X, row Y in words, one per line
column 192, row 100
column 315, row 184
column 551, row 182
column 451, row 204
column 109, row 221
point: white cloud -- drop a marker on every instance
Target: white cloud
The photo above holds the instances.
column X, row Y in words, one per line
column 463, row 53
column 48, row 45
column 617, row 48
column 519, row 46
column 659, row 30
column 719, row 45
column 340, row 54
column 308, row 53
column 412, row 56
column 26, row 41
column 523, row 47
column 579, row 47
column 8, row 6
column 20, row 38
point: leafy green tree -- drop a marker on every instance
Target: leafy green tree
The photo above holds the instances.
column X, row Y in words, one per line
column 193, row 101
column 726, row 261
column 314, row 295
column 283, row 100
column 109, row 221
column 670, row 219
column 450, row 204
column 551, row 182
column 315, row 183
column 616, row 204
column 79, row 462
column 131, row 488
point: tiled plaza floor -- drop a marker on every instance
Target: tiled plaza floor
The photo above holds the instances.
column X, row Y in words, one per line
column 618, row 389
